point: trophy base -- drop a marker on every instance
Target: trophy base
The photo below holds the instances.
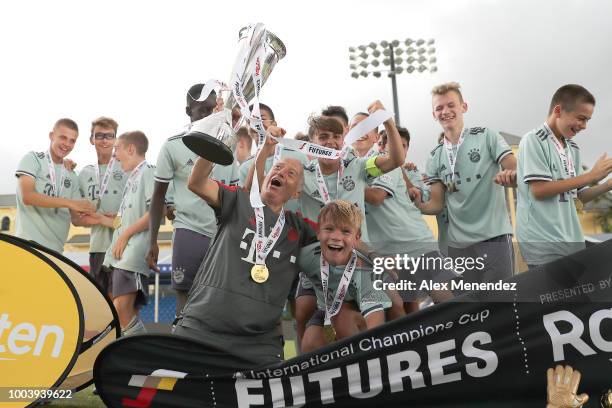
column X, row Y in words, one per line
column 209, row 148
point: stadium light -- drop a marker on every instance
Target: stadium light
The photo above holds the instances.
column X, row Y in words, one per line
column 395, row 57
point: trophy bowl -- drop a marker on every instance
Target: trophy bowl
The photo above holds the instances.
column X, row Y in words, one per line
column 214, row 137
column 209, row 147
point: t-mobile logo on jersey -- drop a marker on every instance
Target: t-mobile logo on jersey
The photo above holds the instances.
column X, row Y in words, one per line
column 247, row 243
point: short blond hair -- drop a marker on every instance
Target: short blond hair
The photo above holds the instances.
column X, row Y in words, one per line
column 138, row 139
column 447, row 87
column 342, row 212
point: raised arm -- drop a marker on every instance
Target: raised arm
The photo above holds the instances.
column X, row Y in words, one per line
column 267, row 150
column 395, row 158
column 202, row 185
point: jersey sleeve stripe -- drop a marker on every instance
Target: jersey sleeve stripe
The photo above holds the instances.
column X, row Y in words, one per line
column 372, row 309
column 502, row 155
column 383, row 187
column 24, row 173
column 530, row 177
column 162, row 179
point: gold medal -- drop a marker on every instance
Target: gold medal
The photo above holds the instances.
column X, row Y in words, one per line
column 117, row 222
column 606, row 399
column 451, row 187
column 578, row 204
column 260, row 273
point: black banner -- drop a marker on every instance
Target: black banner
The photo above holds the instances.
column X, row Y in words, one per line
column 457, row 354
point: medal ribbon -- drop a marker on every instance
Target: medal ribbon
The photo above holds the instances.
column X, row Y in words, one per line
column 264, row 245
column 133, row 179
column 278, row 149
column 566, row 158
column 370, row 123
column 103, row 186
column 333, row 308
column 322, row 187
column 452, row 154
column 51, row 167
column 356, row 133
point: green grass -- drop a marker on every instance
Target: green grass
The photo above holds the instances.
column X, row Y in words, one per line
column 86, row 399
column 83, row 398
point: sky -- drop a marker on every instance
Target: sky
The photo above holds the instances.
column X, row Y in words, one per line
column 135, row 60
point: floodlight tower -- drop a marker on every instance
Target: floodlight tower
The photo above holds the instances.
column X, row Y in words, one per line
column 420, row 57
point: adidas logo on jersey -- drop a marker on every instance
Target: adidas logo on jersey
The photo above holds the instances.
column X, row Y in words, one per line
column 476, row 130
column 542, row 133
column 189, row 163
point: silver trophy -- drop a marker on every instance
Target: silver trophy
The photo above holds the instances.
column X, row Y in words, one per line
column 214, row 137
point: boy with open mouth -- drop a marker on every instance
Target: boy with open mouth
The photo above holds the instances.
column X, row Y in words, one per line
column 345, row 294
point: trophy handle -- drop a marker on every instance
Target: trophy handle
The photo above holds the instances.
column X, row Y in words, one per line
column 278, row 52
